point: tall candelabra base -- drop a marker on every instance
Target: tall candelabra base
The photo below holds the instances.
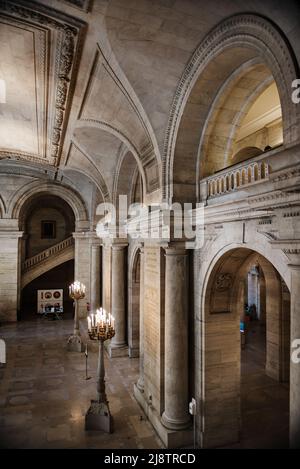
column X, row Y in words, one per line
column 75, row 344
column 98, row 417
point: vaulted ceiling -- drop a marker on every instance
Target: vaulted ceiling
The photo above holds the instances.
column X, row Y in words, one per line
column 89, row 80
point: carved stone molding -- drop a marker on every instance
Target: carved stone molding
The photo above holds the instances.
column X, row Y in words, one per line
column 291, row 251
column 294, row 172
column 223, row 282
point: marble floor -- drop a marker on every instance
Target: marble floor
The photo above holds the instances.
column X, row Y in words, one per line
column 264, row 401
column 44, row 395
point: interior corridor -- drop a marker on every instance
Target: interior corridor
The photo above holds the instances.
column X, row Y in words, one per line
column 264, row 401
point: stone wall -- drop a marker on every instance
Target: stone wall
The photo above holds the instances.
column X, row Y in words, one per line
column 9, row 276
column 154, row 327
column 35, row 243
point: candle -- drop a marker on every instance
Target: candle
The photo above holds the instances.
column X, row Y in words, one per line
column 89, row 323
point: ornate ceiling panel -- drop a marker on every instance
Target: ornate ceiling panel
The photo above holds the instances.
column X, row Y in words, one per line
column 39, row 49
column 117, row 108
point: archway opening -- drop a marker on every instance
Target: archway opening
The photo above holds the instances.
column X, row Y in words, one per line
column 47, row 221
column 245, row 119
column 246, row 364
column 227, row 75
column 264, row 363
column 47, row 257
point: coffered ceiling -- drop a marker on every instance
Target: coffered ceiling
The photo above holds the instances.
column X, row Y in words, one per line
column 38, row 51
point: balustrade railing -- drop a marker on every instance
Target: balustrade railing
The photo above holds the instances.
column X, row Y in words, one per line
column 53, row 250
column 236, row 178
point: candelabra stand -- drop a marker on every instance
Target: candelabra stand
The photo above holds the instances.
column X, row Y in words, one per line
column 98, row 417
column 76, row 292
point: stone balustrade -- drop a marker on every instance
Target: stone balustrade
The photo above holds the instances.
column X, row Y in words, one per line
column 41, row 256
column 235, row 178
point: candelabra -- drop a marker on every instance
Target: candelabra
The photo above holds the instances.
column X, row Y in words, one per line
column 101, row 328
column 76, row 292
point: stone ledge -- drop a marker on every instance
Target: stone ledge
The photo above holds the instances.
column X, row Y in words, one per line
column 171, row 439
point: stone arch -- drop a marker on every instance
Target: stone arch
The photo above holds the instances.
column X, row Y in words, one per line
column 134, row 302
column 2, row 207
column 93, row 123
column 125, row 176
column 98, row 180
column 22, row 198
column 245, row 153
column 221, row 304
column 232, row 43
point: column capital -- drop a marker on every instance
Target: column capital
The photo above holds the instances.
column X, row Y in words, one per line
column 83, row 235
column 11, row 234
column 177, row 249
column 95, row 246
column 119, row 246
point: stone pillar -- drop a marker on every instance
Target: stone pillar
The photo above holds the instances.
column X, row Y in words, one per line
column 140, row 383
column 106, row 277
column 83, row 268
column 295, row 367
column 176, row 416
column 9, row 274
column 95, row 276
column 118, row 343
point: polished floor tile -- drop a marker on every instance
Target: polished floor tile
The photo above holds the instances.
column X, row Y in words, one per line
column 44, row 394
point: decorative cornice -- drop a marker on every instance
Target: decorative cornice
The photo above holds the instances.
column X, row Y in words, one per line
column 286, row 174
column 17, row 156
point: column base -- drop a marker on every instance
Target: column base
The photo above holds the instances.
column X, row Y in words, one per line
column 116, row 351
column 98, row 417
column 133, row 352
column 172, row 424
column 170, row 438
column 140, row 385
column 75, row 344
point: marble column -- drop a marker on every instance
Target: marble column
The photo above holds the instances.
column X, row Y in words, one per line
column 176, row 416
column 118, row 343
column 295, row 367
column 140, row 383
column 95, row 276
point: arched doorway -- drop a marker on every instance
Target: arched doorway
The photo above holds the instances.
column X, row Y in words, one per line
column 47, row 254
column 243, row 394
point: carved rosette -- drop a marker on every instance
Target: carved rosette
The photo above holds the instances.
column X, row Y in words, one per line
column 223, row 282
